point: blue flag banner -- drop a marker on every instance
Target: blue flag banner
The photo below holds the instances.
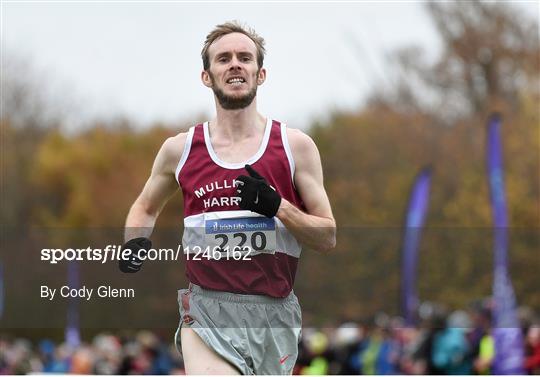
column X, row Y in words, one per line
column 1, row 291
column 416, row 214
column 72, row 334
column 507, row 334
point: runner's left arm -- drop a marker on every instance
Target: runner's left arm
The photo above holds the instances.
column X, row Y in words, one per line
column 315, row 229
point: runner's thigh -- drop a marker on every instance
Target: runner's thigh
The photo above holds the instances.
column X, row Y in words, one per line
column 199, row 358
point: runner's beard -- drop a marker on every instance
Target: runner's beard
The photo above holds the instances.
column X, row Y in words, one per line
column 233, row 102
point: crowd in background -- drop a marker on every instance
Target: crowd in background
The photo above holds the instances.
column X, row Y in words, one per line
column 459, row 342
column 444, row 343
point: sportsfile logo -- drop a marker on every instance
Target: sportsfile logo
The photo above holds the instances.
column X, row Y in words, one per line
column 109, row 253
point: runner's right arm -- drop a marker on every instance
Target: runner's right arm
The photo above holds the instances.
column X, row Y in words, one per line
column 159, row 187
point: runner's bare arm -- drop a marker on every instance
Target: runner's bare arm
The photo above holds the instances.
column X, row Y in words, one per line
column 316, row 228
column 159, row 187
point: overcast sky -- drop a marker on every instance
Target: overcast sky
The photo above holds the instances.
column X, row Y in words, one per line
column 142, row 59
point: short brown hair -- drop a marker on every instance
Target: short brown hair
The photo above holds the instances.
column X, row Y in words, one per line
column 228, row 28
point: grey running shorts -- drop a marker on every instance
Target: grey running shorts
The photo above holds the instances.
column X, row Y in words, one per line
column 256, row 334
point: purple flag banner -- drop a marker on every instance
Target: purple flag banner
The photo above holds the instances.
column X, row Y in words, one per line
column 72, row 334
column 1, row 291
column 506, row 329
column 416, row 213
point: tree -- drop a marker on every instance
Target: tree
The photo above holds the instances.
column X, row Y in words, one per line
column 490, row 58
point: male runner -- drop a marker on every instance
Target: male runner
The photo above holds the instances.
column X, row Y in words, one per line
column 251, row 184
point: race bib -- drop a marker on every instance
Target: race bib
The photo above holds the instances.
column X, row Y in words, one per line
column 246, row 235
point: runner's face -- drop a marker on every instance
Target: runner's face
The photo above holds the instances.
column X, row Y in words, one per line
column 234, row 74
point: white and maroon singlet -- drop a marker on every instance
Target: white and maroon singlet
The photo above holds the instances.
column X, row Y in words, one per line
column 212, row 216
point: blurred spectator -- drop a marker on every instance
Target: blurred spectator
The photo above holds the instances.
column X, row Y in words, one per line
column 481, row 340
column 433, row 317
column 316, row 343
column 346, row 343
column 483, row 362
column 379, row 352
column 451, row 350
column 108, row 354
column 532, row 347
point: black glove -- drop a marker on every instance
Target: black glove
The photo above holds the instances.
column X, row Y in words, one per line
column 256, row 194
column 139, row 247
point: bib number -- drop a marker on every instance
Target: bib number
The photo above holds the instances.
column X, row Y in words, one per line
column 245, row 235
